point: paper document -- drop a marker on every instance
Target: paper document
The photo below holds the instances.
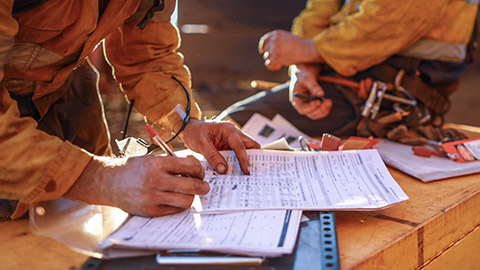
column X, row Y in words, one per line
column 338, row 180
column 265, row 131
column 401, row 157
column 266, row 233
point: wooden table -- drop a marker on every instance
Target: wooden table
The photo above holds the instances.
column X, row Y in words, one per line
column 438, row 228
column 23, row 250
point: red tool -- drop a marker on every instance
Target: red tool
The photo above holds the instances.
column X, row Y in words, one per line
column 330, row 142
column 340, row 81
column 427, row 152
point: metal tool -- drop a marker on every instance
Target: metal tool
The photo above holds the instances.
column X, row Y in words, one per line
column 396, row 83
column 426, row 116
column 371, row 99
column 400, row 99
column 378, row 101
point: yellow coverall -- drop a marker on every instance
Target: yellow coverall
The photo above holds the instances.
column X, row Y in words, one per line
column 361, row 34
column 428, row 37
column 40, row 49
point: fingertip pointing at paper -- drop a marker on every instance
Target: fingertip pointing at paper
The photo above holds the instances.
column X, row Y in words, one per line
column 221, row 168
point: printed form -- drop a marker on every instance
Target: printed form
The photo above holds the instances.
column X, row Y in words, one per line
column 265, row 131
column 337, row 180
column 267, row 233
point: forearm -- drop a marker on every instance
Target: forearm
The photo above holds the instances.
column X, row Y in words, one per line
column 145, row 185
column 92, row 187
column 312, row 56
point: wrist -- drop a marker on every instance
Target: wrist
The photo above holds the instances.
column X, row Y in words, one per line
column 191, row 123
column 314, row 55
column 92, row 185
column 313, row 69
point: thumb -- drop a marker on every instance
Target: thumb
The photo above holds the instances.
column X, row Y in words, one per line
column 314, row 87
column 215, row 159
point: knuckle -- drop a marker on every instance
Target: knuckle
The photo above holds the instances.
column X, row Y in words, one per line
column 205, row 188
column 213, row 158
column 191, row 161
column 170, row 160
column 228, row 125
column 191, row 186
column 195, row 164
column 231, row 127
column 183, row 200
column 148, row 197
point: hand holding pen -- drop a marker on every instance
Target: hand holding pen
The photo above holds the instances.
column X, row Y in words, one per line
column 149, row 185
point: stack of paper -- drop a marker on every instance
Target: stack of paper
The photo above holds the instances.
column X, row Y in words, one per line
column 279, row 181
column 262, row 233
column 339, row 180
column 259, row 214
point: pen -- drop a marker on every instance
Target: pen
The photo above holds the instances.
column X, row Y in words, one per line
column 305, row 96
column 159, row 140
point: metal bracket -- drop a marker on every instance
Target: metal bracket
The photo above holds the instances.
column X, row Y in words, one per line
column 329, row 243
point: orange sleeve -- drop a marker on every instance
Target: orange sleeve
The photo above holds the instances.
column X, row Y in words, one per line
column 314, row 18
column 34, row 165
column 376, row 31
column 144, row 62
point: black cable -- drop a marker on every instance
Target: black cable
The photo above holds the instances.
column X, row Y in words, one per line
column 125, row 126
column 187, row 113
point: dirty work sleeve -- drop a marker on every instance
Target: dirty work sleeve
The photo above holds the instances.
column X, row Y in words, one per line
column 144, row 62
column 34, row 165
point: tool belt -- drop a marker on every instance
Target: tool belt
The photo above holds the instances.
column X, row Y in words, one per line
column 400, row 105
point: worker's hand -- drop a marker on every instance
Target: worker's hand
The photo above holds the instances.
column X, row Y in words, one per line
column 207, row 138
column 145, row 185
column 281, row 48
column 304, row 81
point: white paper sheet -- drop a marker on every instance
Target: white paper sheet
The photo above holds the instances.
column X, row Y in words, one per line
column 433, row 168
column 473, row 148
column 340, row 180
column 266, row 233
column 266, row 131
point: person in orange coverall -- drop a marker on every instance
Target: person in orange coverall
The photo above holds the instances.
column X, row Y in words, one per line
column 53, row 136
column 361, row 40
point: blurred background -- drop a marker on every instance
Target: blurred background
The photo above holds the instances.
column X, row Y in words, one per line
column 219, row 42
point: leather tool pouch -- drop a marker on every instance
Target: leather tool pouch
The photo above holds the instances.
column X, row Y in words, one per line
column 430, row 83
column 426, row 83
